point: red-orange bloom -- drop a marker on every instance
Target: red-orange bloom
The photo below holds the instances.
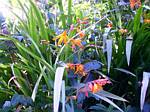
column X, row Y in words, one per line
column 83, row 21
column 76, row 42
column 133, row 3
column 77, row 68
column 80, row 69
column 147, row 21
column 123, row 31
column 109, row 25
column 81, row 33
column 71, row 66
column 96, row 85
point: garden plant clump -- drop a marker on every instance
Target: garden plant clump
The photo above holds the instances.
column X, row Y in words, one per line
column 75, row 56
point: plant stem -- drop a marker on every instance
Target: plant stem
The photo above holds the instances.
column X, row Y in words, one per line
column 60, row 5
column 69, row 12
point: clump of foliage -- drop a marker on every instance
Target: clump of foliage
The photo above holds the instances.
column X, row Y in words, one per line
column 78, row 57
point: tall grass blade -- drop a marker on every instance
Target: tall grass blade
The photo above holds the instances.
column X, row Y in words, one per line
column 108, row 101
column 110, row 95
column 137, row 19
column 37, row 85
column 69, row 12
column 125, row 71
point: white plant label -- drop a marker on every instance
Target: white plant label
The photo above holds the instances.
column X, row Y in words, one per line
column 128, row 49
column 145, row 81
column 109, row 53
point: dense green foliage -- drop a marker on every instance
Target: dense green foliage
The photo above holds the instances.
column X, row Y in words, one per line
column 28, row 67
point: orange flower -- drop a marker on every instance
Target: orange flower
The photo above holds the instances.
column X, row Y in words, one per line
column 76, row 42
column 81, row 33
column 62, row 38
column 123, row 31
column 83, row 21
column 77, row 68
column 71, row 66
column 133, row 3
column 109, row 25
column 71, row 97
column 96, row 85
column 147, row 21
column 80, row 69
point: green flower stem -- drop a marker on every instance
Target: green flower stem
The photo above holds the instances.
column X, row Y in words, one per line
column 60, row 5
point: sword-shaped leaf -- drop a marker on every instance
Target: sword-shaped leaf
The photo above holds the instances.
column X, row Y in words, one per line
column 57, row 86
column 125, row 71
column 37, row 84
column 109, row 53
column 108, row 101
column 145, row 81
column 110, row 95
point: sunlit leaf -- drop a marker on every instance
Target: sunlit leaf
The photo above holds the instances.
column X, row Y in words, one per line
column 146, row 6
column 37, row 85
column 125, row 71
column 57, row 86
column 145, row 81
column 137, row 19
column 110, row 95
column 108, row 101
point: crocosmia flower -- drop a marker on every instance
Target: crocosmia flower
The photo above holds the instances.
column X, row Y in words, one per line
column 62, row 38
column 97, row 85
column 81, row 33
column 76, row 42
column 147, row 21
column 134, row 3
column 123, row 31
column 77, row 68
column 94, row 86
column 109, row 25
column 83, row 21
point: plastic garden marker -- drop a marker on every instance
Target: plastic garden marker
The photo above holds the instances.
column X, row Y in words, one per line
column 145, row 81
column 104, row 38
column 57, row 87
column 63, row 96
column 109, row 53
column 129, row 42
